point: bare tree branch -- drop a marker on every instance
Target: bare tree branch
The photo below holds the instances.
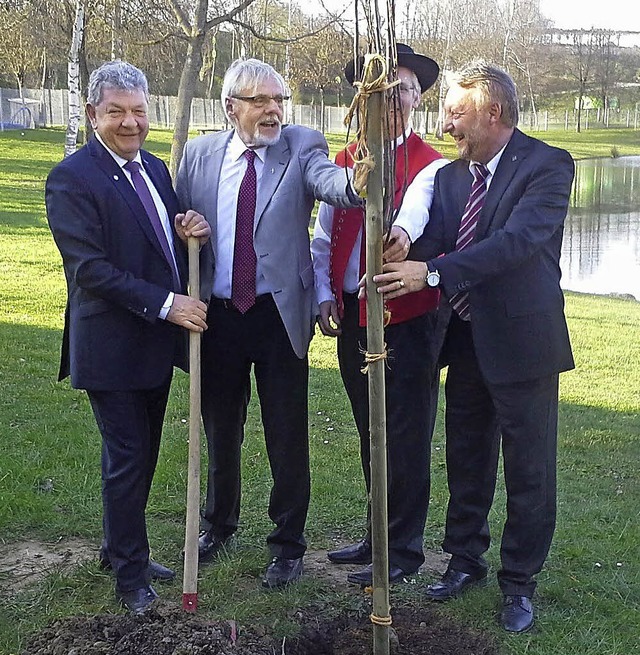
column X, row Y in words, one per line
column 227, row 18
column 275, row 39
column 163, row 38
column 183, row 19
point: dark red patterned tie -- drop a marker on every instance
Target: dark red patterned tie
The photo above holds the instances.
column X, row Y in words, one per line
column 467, row 230
column 243, row 290
column 150, row 207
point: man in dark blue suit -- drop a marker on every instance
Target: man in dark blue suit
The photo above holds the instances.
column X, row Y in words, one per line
column 114, row 217
column 497, row 218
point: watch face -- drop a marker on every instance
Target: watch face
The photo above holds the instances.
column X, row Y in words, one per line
column 433, row 279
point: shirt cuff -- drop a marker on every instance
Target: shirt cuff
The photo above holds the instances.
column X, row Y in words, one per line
column 164, row 310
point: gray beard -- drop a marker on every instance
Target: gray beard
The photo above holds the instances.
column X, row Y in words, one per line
column 260, row 141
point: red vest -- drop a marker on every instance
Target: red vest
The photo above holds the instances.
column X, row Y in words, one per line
column 347, row 224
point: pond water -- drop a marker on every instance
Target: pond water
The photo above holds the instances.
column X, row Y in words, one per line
column 601, row 245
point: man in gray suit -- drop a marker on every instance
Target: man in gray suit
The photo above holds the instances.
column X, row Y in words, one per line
column 257, row 185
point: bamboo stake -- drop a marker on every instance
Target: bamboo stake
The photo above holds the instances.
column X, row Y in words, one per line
column 375, row 345
column 190, row 578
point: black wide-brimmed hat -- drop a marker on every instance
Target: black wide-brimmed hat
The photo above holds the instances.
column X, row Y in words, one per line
column 424, row 67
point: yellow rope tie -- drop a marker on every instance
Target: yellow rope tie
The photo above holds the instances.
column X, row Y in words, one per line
column 363, row 163
column 371, row 358
column 381, row 620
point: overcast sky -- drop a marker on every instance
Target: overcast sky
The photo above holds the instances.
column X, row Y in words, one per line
column 606, row 14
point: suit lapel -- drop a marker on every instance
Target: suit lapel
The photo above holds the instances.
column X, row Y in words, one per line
column 163, row 186
column 214, row 168
column 513, row 155
column 275, row 164
column 119, row 180
column 165, row 192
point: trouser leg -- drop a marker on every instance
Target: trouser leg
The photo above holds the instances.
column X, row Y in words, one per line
column 226, row 388
column 472, row 448
column 131, row 426
column 528, row 416
column 282, row 380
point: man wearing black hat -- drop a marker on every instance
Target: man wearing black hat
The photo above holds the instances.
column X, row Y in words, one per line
column 411, row 382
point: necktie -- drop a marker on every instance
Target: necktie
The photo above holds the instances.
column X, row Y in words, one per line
column 467, row 229
column 150, row 207
column 243, row 288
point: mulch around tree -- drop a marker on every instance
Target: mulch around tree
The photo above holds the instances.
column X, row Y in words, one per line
column 166, row 630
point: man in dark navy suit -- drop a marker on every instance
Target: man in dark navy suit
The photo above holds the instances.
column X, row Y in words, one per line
column 497, row 217
column 114, row 217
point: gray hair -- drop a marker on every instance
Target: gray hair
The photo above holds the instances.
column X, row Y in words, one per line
column 116, row 74
column 248, row 74
column 493, row 84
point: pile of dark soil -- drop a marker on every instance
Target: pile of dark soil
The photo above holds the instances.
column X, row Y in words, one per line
column 168, row 631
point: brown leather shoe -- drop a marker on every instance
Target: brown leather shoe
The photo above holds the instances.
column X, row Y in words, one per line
column 281, row 572
column 454, row 583
column 359, row 553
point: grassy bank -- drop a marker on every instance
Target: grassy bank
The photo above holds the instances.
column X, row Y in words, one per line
column 591, row 143
column 50, row 483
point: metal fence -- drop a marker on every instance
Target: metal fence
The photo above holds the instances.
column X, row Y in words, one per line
column 592, row 118
column 49, row 107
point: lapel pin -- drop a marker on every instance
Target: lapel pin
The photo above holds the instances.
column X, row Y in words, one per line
column 514, row 158
column 273, row 170
column 116, row 178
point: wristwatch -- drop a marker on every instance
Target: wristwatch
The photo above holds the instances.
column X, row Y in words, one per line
column 432, row 278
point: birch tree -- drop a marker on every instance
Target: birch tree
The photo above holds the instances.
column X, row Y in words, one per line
column 75, row 103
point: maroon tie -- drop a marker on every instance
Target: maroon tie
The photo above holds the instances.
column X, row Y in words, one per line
column 150, row 207
column 467, row 229
column 243, row 289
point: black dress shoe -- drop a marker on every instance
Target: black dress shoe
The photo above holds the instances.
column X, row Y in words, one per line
column 137, row 601
column 359, row 553
column 209, row 546
column 365, row 577
column 159, row 572
column 517, row 613
column 453, row 583
column 155, row 570
column 281, row 572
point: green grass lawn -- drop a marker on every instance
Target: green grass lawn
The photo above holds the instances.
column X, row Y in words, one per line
column 589, row 592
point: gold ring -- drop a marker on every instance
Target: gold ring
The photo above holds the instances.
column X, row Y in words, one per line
column 401, row 283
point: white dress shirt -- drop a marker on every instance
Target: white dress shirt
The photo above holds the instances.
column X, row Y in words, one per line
column 412, row 218
column 491, row 165
column 233, row 169
column 161, row 209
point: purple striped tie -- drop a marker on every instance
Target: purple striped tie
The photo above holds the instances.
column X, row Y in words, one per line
column 243, row 288
column 467, row 230
column 150, row 208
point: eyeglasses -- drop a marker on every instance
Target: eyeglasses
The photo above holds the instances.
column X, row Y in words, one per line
column 262, row 100
column 403, row 89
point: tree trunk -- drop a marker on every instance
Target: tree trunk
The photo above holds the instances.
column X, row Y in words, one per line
column 116, row 31
column 376, row 376
column 186, row 91
column 73, row 121
column 581, row 91
column 84, row 83
column 439, row 131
